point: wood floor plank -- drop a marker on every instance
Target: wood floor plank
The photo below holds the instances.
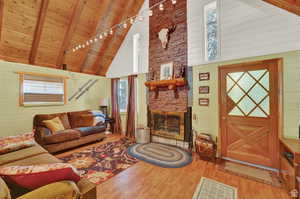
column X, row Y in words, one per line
column 146, row 181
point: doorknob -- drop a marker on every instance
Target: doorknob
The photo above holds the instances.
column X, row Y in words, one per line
column 223, row 118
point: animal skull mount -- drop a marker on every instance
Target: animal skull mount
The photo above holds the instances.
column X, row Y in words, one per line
column 164, row 35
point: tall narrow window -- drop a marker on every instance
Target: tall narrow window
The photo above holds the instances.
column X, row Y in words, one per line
column 211, row 31
column 42, row 90
column 136, row 54
column 123, row 95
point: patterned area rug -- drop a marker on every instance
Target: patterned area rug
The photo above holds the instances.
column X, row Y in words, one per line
column 252, row 173
column 161, row 155
column 211, row 189
column 98, row 164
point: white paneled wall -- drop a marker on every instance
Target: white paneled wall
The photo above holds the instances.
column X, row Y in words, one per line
column 122, row 64
column 247, row 29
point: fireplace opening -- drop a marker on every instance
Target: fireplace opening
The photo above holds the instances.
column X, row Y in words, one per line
column 159, row 122
column 168, row 124
column 173, row 124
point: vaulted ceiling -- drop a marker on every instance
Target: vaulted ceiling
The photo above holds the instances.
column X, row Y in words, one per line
column 39, row 32
column 289, row 5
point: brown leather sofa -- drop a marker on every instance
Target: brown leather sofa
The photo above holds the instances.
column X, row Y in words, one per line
column 58, row 190
column 79, row 130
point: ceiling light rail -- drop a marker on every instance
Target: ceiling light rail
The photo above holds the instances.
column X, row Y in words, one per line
column 123, row 24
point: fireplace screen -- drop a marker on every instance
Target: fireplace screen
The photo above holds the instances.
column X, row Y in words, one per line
column 168, row 124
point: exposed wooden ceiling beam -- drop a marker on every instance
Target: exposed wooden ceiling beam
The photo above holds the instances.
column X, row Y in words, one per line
column 102, row 13
column 124, row 9
column 106, row 21
column 289, row 5
column 38, row 31
column 116, row 43
column 1, row 16
column 70, row 31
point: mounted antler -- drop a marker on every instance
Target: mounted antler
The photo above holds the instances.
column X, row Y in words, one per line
column 173, row 28
column 164, row 35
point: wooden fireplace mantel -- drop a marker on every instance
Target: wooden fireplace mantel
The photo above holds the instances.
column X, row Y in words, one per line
column 171, row 84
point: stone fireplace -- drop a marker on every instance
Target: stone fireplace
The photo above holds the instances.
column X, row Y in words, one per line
column 169, row 116
column 168, row 124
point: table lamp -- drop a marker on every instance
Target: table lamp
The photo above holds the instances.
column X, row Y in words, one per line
column 104, row 106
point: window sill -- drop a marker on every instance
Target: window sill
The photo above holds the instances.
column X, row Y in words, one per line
column 43, row 104
column 211, row 62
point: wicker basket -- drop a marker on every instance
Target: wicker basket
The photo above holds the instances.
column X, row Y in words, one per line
column 205, row 147
column 142, row 135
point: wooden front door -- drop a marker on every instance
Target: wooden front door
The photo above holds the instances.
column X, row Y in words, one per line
column 249, row 111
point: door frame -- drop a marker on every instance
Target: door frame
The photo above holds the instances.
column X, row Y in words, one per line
column 278, row 85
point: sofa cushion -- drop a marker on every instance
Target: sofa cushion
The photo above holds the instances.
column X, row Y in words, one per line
column 21, row 154
column 14, row 143
column 54, row 125
column 35, row 176
column 62, row 136
column 53, row 148
column 81, row 119
column 44, row 158
column 38, row 119
column 85, row 131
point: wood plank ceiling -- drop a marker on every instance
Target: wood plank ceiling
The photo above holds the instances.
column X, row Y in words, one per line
column 289, row 5
column 39, row 32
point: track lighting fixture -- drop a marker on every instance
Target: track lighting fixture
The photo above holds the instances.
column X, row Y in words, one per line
column 161, row 7
column 150, row 13
column 124, row 24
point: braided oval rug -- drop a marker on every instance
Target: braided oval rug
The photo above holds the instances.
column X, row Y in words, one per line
column 161, row 155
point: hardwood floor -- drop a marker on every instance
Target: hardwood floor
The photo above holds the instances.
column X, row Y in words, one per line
column 146, row 181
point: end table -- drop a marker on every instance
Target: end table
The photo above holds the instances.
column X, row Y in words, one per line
column 110, row 126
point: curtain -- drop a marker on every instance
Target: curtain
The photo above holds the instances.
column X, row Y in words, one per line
column 117, row 128
column 131, row 107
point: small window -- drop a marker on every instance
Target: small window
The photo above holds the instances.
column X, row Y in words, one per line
column 211, row 31
column 42, row 90
column 136, row 54
column 123, row 94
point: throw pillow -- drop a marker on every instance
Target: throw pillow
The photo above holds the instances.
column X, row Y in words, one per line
column 99, row 117
column 35, row 176
column 98, row 120
column 14, row 143
column 54, row 125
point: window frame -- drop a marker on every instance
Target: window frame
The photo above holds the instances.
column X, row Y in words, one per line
column 125, row 80
column 136, row 53
column 205, row 46
column 22, row 95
